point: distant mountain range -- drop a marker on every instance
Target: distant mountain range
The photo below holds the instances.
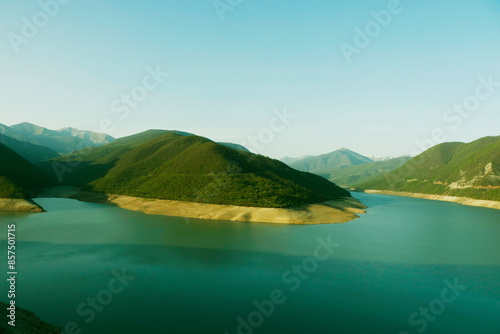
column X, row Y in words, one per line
column 351, row 176
column 61, row 141
column 324, row 163
column 455, row 169
column 345, row 167
column 177, row 165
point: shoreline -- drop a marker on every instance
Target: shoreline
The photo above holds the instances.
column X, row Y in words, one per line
column 443, row 198
column 330, row 212
column 19, row 205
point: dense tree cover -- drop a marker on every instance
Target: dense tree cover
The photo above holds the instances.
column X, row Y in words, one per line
column 352, row 175
column 169, row 165
column 9, row 189
column 17, row 175
column 31, row 152
column 325, row 163
column 446, row 168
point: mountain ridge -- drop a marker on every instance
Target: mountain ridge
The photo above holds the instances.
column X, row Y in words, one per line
column 61, row 141
column 454, row 169
column 166, row 165
column 328, row 161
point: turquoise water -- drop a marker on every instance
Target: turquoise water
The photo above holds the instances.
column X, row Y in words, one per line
column 194, row 276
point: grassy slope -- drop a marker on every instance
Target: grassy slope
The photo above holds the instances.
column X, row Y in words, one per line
column 17, row 175
column 353, row 175
column 434, row 170
column 166, row 165
column 323, row 163
column 28, row 151
column 235, row 146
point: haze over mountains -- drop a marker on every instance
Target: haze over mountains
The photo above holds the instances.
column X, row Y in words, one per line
column 28, row 151
column 345, row 167
column 61, row 141
column 351, row 176
column 17, row 175
column 325, row 162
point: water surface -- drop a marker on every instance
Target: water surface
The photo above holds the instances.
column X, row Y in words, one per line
column 195, row 276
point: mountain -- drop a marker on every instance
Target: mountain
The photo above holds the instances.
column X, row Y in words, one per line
column 31, row 152
column 455, row 169
column 90, row 137
column 291, row 160
column 350, row 176
column 17, row 175
column 380, row 158
column 235, row 146
column 324, row 163
column 62, row 141
column 167, row 165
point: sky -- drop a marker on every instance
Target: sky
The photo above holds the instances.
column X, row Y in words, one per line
column 284, row 78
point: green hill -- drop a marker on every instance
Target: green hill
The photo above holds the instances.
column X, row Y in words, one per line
column 168, row 165
column 324, row 163
column 17, row 175
column 31, row 152
column 235, row 146
column 455, row 169
column 350, row 176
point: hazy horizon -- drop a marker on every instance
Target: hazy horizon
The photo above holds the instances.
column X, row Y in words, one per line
column 229, row 71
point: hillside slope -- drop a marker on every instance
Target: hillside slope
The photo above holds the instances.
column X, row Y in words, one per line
column 167, row 165
column 324, row 163
column 31, row 152
column 455, row 169
column 350, row 176
column 235, row 146
column 17, row 175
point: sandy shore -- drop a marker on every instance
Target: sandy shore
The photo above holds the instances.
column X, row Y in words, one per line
column 454, row 199
column 19, row 205
column 338, row 211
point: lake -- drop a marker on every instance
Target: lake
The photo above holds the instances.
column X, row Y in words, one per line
column 407, row 266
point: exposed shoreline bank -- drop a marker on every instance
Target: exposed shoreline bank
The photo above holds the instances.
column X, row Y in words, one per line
column 460, row 200
column 330, row 212
column 19, row 205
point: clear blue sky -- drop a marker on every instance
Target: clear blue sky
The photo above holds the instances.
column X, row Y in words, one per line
column 227, row 76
